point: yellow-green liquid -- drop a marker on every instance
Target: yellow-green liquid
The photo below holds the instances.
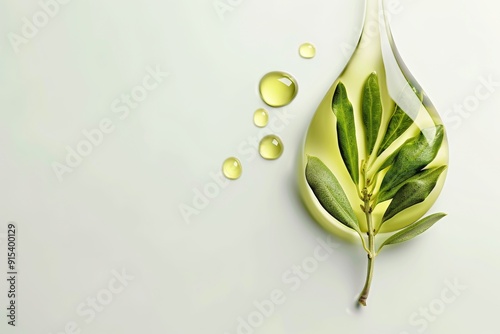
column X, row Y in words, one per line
column 271, row 147
column 231, row 168
column 307, row 50
column 260, row 117
column 321, row 139
column 277, row 89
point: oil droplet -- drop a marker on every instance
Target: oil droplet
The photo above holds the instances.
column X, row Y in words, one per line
column 307, row 51
column 271, row 147
column 277, row 89
column 260, row 117
column 231, row 168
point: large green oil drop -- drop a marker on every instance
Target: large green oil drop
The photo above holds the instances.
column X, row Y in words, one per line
column 321, row 139
column 277, row 89
column 271, row 147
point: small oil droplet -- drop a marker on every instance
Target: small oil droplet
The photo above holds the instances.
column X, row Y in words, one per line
column 307, row 51
column 260, row 117
column 231, row 168
column 277, row 89
column 271, row 147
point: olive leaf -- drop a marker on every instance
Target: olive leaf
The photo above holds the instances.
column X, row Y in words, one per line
column 412, row 230
column 422, row 175
column 346, row 131
column 413, row 192
column 414, row 154
column 398, row 124
column 371, row 111
column 329, row 192
column 390, row 159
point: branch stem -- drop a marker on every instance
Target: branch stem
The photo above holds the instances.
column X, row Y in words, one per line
column 367, row 208
column 371, row 256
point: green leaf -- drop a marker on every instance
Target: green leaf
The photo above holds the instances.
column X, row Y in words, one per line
column 391, row 192
column 413, row 156
column 330, row 193
column 346, row 131
column 399, row 123
column 372, row 111
column 413, row 192
column 413, row 230
column 390, row 159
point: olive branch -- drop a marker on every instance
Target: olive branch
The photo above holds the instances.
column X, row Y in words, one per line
column 403, row 178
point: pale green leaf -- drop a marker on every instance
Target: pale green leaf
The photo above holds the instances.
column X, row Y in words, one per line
column 413, row 230
column 329, row 192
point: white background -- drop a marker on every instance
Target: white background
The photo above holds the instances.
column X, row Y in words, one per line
column 119, row 209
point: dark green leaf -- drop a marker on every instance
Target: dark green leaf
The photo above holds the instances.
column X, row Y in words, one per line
column 399, row 123
column 330, row 193
column 414, row 154
column 346, row 131
column 372, row 111
column 413, row 192
column 413, row 230
column 390, row 159
column 391, row 192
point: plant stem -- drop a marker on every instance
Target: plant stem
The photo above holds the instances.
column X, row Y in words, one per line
column 363, row 242
column 371, row 255
column 367, row 208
